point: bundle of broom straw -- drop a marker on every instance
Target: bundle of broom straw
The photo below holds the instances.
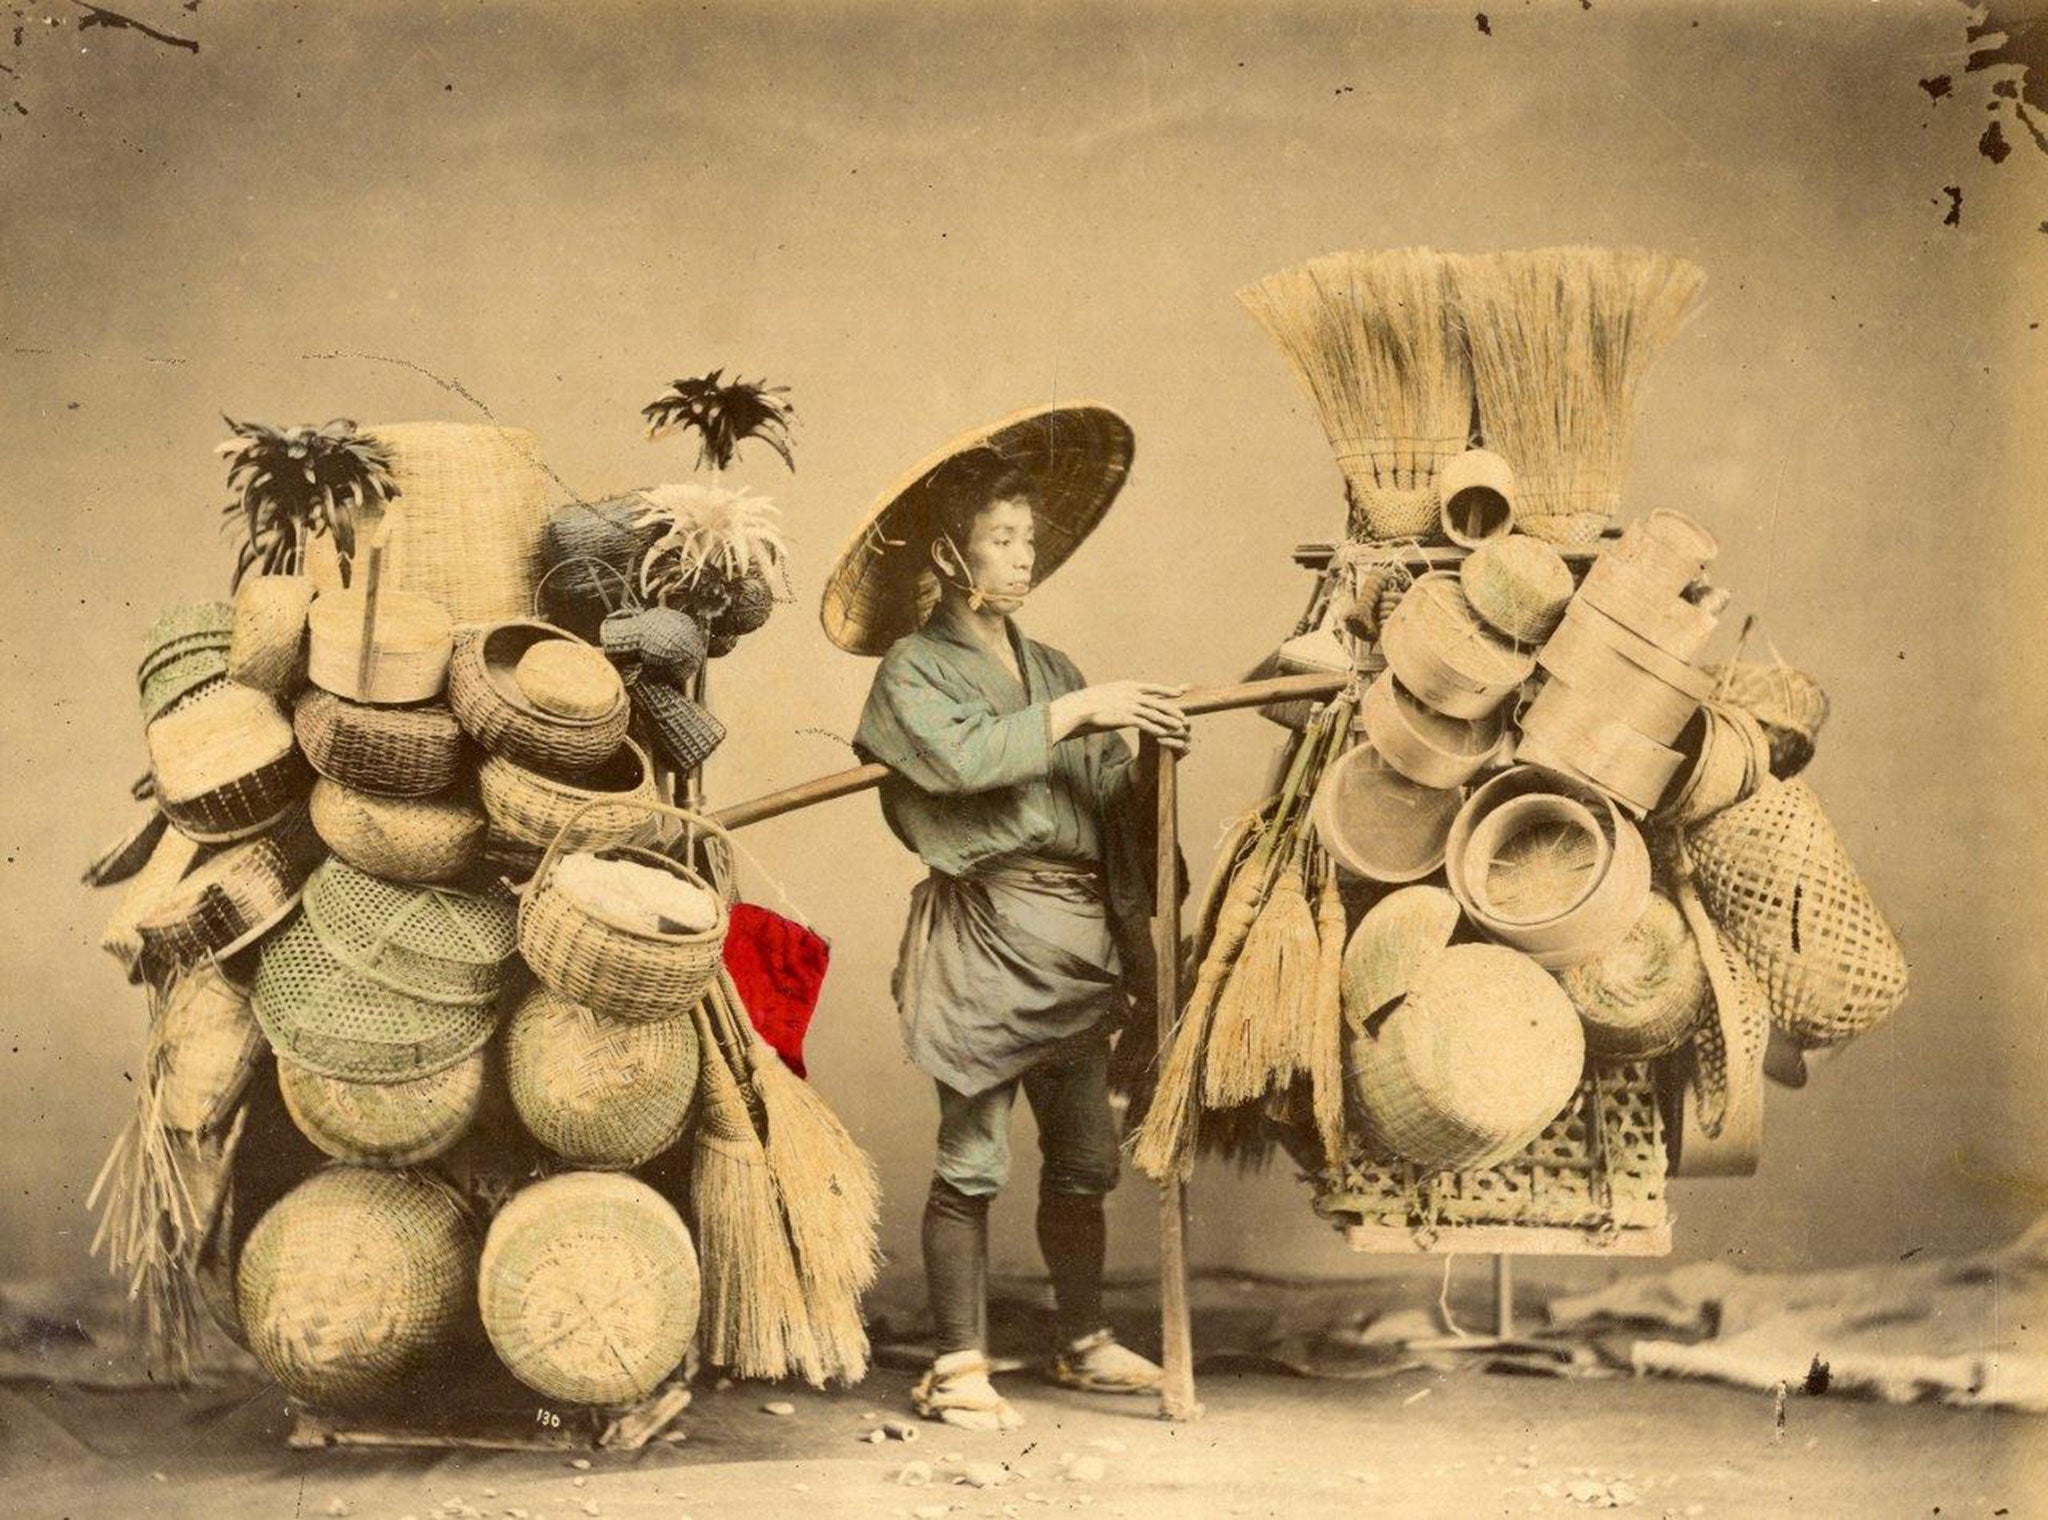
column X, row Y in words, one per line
column 1372, row 338
column 1249, row 1026
column 1560, row 340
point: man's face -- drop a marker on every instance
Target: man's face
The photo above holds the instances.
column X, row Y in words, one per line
column 1001, row 553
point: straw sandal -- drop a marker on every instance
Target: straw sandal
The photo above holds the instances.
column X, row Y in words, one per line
column 1097, row 1364
column 956, row 1391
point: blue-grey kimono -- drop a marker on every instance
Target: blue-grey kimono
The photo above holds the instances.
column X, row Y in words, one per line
column 1039, row 872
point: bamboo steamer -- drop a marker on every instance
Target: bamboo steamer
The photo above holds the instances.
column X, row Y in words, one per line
column 411, row 642
column 1642, row 997
column 1622, row 592
column 604, row 1093
column 1482, row 1053
column 1445, row 655
column 1583, row 623
column 387, row 1124
column 1648, row 701
column 1422, row 744
column 1533, row 859
column 1376, row 823
column 546, row 1252
column 1398, row 936
column 1568, row 730
column 354, row 1283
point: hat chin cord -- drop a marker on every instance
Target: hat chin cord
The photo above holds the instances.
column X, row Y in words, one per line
column 962, row 579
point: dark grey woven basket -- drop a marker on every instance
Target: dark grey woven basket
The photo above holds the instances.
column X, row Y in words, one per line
column 685, row 731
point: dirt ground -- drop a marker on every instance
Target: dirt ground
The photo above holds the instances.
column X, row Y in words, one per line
column 1422, row 1443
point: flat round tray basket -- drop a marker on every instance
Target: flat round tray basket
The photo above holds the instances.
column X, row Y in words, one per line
column 528, row 808
column 589, row 1288
column 318, row 1012
column 354, row 1283
column 409, row 839
column 229, row 901
column 496, row 711
column 426, row 941
column 605, row 1093
column 393, row 751
column 388, row 1124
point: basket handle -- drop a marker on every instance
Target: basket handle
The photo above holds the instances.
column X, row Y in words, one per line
column 373, row 580
column 687, row 816
column 625, row 583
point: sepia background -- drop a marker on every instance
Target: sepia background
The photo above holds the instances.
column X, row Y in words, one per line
column 921, row 217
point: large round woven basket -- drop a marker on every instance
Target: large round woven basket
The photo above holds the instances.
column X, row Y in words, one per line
column 424, row 941
column 614, row 967
column 411, row 839
column 388, row 1124
column 589, row 1288
column 228, row 901
column 355, row 1282
column 1642, row 997
column 499, row 715
column 1774, row 876
column 1482, row 1053
column 318, row 1011
column 392, row 751
column 528, row 808
column 1398, row 936
column 604, row 1093
column 225, row 765
column 267, row 649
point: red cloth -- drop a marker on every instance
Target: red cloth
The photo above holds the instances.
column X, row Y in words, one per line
column 778, row 966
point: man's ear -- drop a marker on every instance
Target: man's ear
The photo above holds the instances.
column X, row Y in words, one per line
column 947, row 559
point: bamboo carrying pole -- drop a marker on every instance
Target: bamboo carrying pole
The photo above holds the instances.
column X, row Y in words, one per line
column 1177, row 1389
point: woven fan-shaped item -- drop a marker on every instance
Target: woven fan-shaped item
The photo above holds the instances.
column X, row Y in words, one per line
column 319, row 1012
column 1641, row 997
column 355, row 1282
column 410, row 751
column 605, row 1093
column 389, row 1124
column 1773, row 873
column 427, row 942
column 589, row 1288
column 408, row 839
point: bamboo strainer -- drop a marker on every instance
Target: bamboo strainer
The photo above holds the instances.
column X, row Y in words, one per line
column 605, row 1093
column 354, row 1283
column 615, row 968
column 589, row 1288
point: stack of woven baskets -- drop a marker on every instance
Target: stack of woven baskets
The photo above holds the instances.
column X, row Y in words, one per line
column 363, row 857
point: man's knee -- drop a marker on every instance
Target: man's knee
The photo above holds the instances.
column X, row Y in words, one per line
column 1079, row 1172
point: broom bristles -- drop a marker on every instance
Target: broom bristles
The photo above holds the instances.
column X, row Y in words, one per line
column 754, row 1318
column 1253, row 1042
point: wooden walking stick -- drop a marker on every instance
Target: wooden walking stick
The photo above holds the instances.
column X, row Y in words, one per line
column 1176, row 1331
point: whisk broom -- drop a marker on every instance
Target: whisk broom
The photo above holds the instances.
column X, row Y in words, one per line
column 1372, row 340
column 1560, row 340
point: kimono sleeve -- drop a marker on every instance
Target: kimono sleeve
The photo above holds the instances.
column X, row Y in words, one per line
column 945, row 738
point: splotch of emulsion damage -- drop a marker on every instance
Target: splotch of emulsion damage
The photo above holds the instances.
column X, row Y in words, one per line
column 1955, row 205
column 2005, row 35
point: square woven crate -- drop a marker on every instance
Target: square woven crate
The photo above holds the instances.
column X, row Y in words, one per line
column 1596, row 1171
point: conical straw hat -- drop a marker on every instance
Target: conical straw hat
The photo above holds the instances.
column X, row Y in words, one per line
column 883, row 587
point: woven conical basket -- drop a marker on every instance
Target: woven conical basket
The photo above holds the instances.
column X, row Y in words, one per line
column 355, row 1282
column 1641, row 997
column 389, row 1124
column 1773, row 873
column 589, row 1288
column 604, row 1093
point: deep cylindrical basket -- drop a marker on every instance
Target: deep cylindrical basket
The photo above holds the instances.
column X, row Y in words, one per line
column 387, row 1124
column 1642, row 997
column 605, row 1093
column 410, row 642
column 267, row 649
column 495, row 712
column 528, row 808
column 392, row 751
column 1471, row 1065
column 423, row 941
column 687, row 732
column 228, row 902
column 625, row 971
column 354, row 1283
column 409, row 839
column 589, row 1288
column 1776, row 880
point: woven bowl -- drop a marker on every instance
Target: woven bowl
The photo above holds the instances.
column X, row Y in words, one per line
column 1445, row 656
column 410, row 839
column 227, row 902
column 354, row 1283
column 484, row 691
column 1642, row 997
column 386, row 1124
column 546, row 1250
column 267, row 649
column 1518, row 585
column 528, row 808
column 433, row 943
column 1398, row 936
column 603, row 1093
column 1376, row 823
column 1477, row 1059
column 390, row 750
column 410, row 646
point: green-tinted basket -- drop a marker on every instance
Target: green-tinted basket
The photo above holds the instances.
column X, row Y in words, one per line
column 423, row 941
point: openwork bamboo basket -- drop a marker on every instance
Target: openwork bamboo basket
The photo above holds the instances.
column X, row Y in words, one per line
column 410, row 839
column 499, row 715
column 686, row 731
column 427, row 942
column 392, row 751
column 388, row 1124
column 618, row 969
column 606, row 1093
column 185, row 648
column 354, row 1283
column 589, row 1288
column 1598, row 1167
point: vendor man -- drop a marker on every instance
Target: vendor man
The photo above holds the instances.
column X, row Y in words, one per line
column 1009, row 780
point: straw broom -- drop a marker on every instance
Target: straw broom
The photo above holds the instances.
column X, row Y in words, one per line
column 829, row 1194
column 1372, row 339
column 1560, row 340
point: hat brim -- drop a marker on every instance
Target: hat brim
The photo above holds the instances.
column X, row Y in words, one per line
column 882, row 587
